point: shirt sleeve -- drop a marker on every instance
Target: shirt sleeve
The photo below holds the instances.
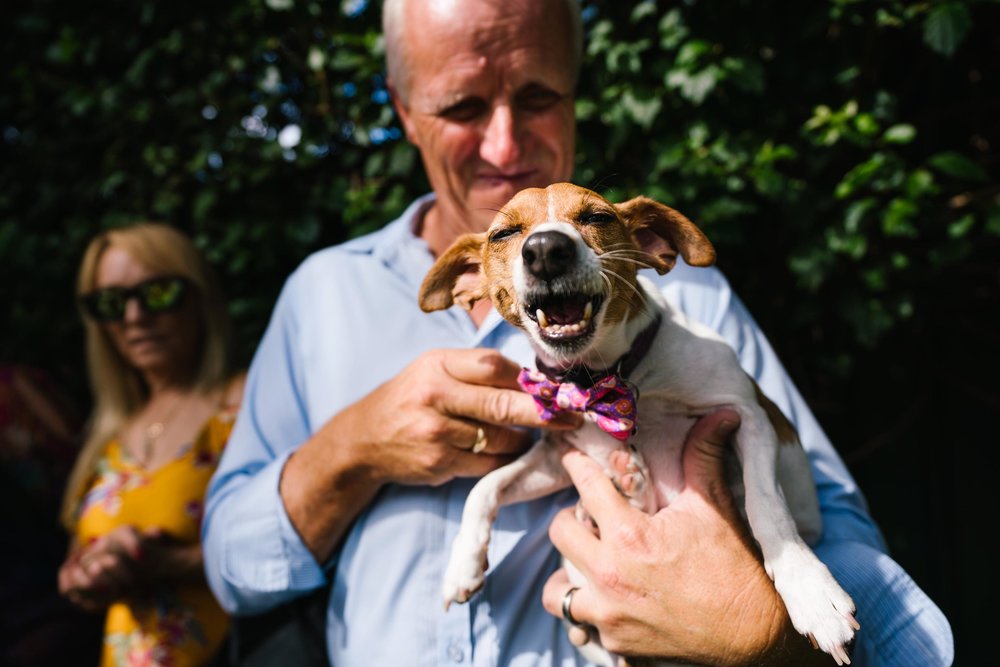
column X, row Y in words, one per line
column 254, row 559
column 900, row 625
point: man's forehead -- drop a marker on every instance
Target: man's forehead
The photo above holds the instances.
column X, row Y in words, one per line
column 488, row 27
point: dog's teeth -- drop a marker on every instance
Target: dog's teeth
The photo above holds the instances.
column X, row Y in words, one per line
column 588, row 311
column 542, row 322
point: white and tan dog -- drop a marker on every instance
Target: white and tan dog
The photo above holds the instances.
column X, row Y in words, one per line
column 561, row 263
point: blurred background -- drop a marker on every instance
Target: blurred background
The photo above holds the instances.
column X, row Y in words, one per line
column 841, row 154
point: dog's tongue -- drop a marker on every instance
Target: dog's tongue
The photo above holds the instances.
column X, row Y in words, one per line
column 564, row 313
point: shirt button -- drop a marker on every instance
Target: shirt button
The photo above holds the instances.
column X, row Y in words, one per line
column 456, row 653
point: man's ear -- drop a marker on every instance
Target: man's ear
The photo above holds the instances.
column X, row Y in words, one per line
column 456, row 277
column 404, row 114
column 663, row 233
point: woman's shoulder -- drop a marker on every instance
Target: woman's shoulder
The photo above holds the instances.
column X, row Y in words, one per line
column 232, row 391
column 215, row 433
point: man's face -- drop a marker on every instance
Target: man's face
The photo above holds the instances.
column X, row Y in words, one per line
column 489, row 102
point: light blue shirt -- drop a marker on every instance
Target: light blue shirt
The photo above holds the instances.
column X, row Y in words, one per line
column 347, row 321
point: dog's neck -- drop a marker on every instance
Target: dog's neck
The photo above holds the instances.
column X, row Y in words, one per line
column 626, row 357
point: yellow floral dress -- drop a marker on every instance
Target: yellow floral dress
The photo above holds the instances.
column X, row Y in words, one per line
column 180, row 625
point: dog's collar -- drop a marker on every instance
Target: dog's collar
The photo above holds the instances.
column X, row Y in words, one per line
column 585, row 377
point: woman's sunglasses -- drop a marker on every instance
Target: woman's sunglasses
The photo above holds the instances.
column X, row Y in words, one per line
column 156, row 295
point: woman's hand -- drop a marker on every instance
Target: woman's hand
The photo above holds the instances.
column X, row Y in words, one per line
column 125, row 564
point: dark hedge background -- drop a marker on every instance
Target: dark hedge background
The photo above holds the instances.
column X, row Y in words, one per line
column 841, row 154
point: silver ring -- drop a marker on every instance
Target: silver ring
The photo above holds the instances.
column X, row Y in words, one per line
column 566, row 602
column 480, row 443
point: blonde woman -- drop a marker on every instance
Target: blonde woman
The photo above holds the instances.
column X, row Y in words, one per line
column 156, row 329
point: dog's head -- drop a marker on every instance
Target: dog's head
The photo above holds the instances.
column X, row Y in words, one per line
column 561, row 263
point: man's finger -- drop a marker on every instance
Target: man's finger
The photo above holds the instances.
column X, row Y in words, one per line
column 575, row 540
column 705, row 448
column 554, row 590
column 480, row 366
column 554, row 595
column 480, row 437
column 503, row 407
column 603, row 501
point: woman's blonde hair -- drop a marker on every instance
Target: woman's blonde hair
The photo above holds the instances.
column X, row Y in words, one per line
column 118, row 388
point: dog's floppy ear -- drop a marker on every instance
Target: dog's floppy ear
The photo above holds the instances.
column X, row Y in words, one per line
column 456, row 276
column 663, row 233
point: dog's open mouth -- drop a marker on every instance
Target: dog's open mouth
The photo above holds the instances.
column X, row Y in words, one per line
column 562, row 318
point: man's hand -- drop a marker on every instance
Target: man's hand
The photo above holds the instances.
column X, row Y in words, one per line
column 417, row 428
column 686, row 583
column 420, row 426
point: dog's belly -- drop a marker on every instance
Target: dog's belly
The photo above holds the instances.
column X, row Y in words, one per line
column 659, row 440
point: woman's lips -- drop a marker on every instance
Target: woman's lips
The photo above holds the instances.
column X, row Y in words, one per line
column 144, row 341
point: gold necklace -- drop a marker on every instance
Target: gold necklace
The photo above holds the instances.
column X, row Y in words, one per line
column 153, row 432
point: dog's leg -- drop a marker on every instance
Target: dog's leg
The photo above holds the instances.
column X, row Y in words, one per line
column 538, row 472
column 818, row 607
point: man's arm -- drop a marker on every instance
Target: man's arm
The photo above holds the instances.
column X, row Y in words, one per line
column 417, row 428
column 284, row 497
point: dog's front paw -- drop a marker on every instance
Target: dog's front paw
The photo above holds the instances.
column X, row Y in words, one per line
column 818, row 607
column 464, row 576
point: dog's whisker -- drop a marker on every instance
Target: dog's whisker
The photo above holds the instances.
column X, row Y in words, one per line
column 626, row 252
column 626, row 282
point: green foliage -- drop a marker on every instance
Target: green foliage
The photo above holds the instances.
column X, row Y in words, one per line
column 839, row 154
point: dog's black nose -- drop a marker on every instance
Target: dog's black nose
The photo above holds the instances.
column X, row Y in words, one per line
column 548, row 255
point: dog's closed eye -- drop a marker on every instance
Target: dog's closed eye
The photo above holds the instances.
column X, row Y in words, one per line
column 596, row 218
column 504, row 233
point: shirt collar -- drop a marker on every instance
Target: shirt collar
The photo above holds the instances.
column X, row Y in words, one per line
column 398, row 247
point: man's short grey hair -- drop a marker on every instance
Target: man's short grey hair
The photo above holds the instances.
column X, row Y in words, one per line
column 393, row 12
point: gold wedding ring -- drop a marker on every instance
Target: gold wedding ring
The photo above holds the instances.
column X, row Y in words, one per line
column 480, row 443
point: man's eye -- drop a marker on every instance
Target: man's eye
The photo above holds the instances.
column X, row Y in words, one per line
column 465, row 110
column 596, row 218
column 538, row 99
column 503, row 233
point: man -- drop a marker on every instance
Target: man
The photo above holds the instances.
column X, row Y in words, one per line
column 351, row 461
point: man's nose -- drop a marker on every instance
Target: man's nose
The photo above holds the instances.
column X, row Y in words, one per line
column 500, row 146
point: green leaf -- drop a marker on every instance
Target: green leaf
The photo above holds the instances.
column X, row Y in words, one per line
column 897, row 219
column 946, row 27
column 856, row 212
column 961, row 227
column 643, row 112
column 694, row 87
column 993, row 222
column 866, row 124
column 900, row 134
column 958, row 166
column 920, row 184
column 672, row 30
column 643, row 10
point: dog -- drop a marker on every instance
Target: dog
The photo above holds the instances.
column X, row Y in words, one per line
column 562, row 264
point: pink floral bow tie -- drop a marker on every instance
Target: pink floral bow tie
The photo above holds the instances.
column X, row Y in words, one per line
column 610, row 403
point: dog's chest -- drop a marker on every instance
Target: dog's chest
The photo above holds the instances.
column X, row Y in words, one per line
column 659, row 439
